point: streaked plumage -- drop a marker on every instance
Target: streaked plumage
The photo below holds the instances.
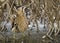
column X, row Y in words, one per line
column 21, row 20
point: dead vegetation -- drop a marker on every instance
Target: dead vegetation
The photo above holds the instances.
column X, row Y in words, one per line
column 19, row 10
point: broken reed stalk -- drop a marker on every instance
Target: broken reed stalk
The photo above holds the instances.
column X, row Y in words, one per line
column 49, row 33
column 37, row 25
column 57, row 29
column 11, row 8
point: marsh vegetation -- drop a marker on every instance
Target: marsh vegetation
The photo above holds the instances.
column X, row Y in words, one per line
column 29, row 21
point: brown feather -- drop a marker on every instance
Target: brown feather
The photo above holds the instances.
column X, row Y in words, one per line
column 22, row 20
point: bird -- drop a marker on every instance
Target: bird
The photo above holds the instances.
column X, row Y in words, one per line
column 21, row 19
